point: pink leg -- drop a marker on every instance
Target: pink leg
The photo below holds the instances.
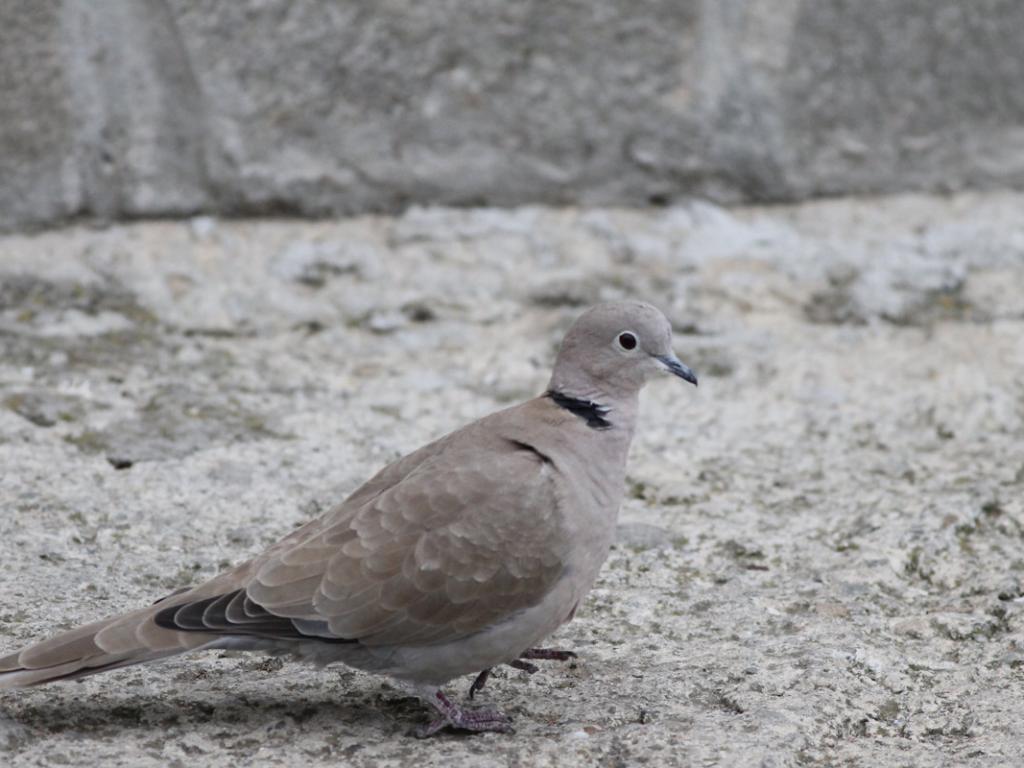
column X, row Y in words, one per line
column 473, row 720
column 539, row 654
column 481, row 679
column 548, row 654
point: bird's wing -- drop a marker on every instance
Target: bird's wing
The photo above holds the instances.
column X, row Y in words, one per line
column 467, row 537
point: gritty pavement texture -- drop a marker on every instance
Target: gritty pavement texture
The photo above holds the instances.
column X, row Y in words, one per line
column 819, row 558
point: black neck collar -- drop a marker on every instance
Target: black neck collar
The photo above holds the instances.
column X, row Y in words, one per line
column 593, row 413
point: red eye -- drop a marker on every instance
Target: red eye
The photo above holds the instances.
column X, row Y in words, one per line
column 627, row 340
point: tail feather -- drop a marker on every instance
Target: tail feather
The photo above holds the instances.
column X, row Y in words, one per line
column 121, row 641
column 77, row 643
column 73, row 670
column 136, row 638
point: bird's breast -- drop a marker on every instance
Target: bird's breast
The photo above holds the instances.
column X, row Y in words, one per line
column 590, row 510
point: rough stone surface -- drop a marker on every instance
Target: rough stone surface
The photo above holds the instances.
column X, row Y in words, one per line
column 37, row 134
column 136, row 108
column 819, row 560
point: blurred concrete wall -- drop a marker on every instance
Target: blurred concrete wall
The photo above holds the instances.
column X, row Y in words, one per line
column 119, row 108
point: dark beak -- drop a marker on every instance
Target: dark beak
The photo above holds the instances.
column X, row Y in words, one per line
column 675, row 366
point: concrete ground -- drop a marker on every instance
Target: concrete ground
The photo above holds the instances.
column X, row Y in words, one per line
column 820, row 553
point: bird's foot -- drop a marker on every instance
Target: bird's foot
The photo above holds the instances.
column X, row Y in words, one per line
column 548, row 654
column 539, row 654
column 481, row 679
column 472, row 720
column 480, row 682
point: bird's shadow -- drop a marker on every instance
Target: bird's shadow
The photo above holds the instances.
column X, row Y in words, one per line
column 107, row 713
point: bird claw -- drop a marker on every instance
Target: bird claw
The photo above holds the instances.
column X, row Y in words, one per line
column 472, row 720
column 540, row 654
column 549, row 654
column 481, row 679
column 479, row 683
column 525, row 666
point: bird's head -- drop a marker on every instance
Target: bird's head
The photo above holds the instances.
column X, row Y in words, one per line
column 614, row 349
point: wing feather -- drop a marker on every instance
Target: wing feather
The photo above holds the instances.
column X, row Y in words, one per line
column 450, row 540
column 464, row 541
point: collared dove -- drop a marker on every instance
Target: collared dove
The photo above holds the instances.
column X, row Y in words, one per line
column 463, row 555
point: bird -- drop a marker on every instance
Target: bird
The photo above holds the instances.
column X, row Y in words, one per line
column 460, row 556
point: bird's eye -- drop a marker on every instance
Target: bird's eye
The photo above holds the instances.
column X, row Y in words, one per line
column 627, row 340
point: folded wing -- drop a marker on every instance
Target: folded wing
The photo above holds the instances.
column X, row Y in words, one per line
column 468, row 538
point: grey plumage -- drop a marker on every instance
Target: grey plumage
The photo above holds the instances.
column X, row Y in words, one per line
column 460, row 556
